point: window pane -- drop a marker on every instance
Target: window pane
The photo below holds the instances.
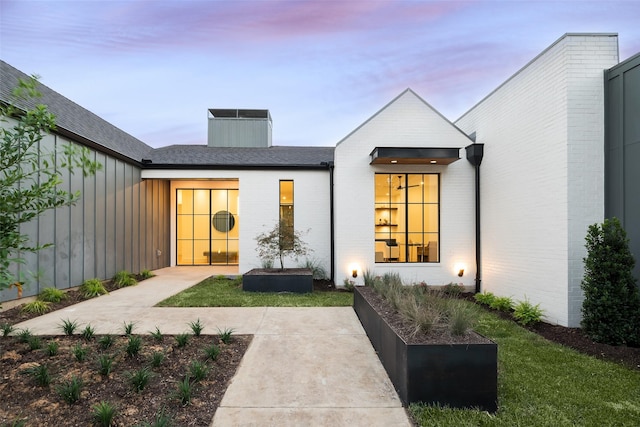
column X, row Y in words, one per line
column 201, row 226
column 185, row 202
column 431, row 218
column 201, row 203
column 415, row 187
column 201, row 252
column 430, row 188
column 185, row 252
column 416, row 218
column 184, row 227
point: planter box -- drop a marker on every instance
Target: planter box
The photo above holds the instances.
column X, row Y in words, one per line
column 297, row 280
column 456, row 375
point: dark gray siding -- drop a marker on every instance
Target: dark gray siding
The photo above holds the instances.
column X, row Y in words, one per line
column 622, row 150
column 119, row 223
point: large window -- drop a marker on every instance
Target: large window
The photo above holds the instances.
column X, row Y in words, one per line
column 407, row 218
column 207, row 226
column 286, row 212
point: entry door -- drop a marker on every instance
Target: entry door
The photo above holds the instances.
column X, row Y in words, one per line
column 207, row 227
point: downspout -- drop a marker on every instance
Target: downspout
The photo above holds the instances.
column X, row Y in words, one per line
column 330, row 165
column 475, row 152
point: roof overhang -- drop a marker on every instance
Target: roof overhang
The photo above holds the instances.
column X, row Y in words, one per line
column 414, row 156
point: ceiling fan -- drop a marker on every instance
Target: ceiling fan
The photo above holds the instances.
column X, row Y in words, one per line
column 400, row 187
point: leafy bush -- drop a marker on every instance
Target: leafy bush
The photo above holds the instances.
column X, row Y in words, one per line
column 611, row 306
column 146, row 274
column 36, row 307
column 225, row 335
column 181, row 340
column 70, row 390
column 485, row 298
column 123, row 278
column 453, row 289
column 318, row 270
column 133, row 345
column 196, row 327
column 68, row 327
column 92, row 288
column 348, row 284
column 502, row 304
column 103, row 413
column 526, row 313
column 40, row 373
column 52, row 295
column 139, row 379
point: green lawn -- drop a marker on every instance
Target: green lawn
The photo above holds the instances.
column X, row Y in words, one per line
column 222, row 292
column 545, row 384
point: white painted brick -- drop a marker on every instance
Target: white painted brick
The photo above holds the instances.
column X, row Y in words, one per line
column 543, row 173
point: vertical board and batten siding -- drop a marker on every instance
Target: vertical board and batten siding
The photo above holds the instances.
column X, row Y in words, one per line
column 542, row 177
column 242, row 132
column 119, row 223
column 407, row 121
column 622, row 150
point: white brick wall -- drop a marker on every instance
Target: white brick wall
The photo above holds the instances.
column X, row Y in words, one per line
column 259, row 204
column 542, row 175
column 406, row 122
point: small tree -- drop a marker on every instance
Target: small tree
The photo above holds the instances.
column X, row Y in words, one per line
column 29, row 178
column 280, row 242
column 611, row 307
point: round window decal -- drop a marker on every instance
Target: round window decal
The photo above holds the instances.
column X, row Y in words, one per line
column 223, row 221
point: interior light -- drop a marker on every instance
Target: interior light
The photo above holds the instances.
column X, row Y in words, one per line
column 394, row 161
column 433, row 162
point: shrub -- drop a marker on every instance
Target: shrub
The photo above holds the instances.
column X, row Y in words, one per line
column 123, row 278
column 161, row 419
column 157, row 335
column 422, row 316
column 106, row 341
column 453, row 289
column 225, row 335
column 24, row 335
column 348, row 284
column 103, row 413
column 611, row 306
column 212, row 352
column 198, row 370
column 52, row 348
column 34, row 343
column 181, row 340
column 133, row 346
column 105, row 364
column 92, row 288
column 156, row 359
column 88, row 333
column 527, row 314
column 40, row 373
column 52, row 295
column 79, row 352
column 36, row 307
column 6, row 329
column 127, row 328
column 502, row 304
column 183, row 394
column 139, row 379
column 70, row 390
column 462, row 317
column 485, row 298
column 318, row 270
column 68, row 327
column 146, row 274
column 196, row 327
column 368, row 277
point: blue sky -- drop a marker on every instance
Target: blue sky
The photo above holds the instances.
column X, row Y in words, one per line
column 153, row 68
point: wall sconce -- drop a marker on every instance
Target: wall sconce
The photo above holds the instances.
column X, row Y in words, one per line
column 354, row 273
column 461, row 272
column 459, row 269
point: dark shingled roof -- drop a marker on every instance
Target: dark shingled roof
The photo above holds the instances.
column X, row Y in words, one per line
column 83, row 126
column 73, row 118
column 276, row 156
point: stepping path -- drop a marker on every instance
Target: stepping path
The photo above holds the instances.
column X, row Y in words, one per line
column 305, row 366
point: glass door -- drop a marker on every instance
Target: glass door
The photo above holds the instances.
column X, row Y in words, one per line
column 207, row 226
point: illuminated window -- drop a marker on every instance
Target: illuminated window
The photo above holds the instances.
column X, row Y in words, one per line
column 286, row 212
column 407, row 218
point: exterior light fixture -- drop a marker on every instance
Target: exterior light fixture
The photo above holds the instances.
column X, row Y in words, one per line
column 461, row 272
column 354, row 273
column 459, row 269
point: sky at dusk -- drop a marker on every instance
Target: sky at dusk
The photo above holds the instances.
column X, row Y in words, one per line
column 322, row 67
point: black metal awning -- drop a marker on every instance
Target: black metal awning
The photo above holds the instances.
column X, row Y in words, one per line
column 414, row 156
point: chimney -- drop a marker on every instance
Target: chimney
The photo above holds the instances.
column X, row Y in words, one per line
column 239, row 128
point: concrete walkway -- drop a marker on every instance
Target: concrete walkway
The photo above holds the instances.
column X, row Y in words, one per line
column 304, row 367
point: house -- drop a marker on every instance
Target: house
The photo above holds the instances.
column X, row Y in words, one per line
column 499, row 200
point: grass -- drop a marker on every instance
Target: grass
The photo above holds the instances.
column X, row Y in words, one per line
column 545, row 384
column 223, row 292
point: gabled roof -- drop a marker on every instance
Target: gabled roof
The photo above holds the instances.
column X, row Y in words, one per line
column 74, row 121
column 185, row 156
